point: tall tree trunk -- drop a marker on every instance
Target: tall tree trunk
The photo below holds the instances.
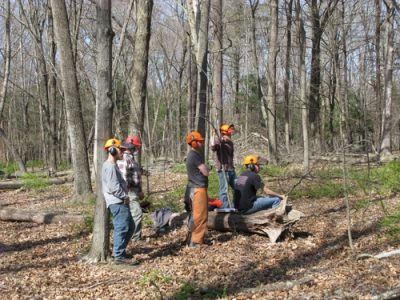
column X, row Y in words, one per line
column 385, row 148
column 287, row 74
column 271, row 79
column 202, row 63
column 216, row 13
column 318, row 27
column 192, row 88
column 315, row 80
column 378, row 87
column 198, row 15
column 302, row 74
column 140, row 62
column 103, row 126
column 76, row 131
column 260, row 92
column 52, row 86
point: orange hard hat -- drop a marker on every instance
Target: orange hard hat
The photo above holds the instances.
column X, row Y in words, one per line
column 133, row 139
column 194, row 136
column 227, row 128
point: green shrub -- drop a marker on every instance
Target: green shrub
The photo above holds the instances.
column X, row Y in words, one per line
column 360, row 204
column 85, row 227
column 155, row 279
column 63, row 165
column 330, row 172
column 388, row 177
column 391, row 224
column 34, row 182
column 179, row 168
column 327, row 189
column 34, row 163
column 188, row 291
column 9, row 167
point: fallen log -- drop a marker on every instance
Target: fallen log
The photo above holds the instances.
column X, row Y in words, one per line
column 12, row 185
column 271, row 222
column 40, row 217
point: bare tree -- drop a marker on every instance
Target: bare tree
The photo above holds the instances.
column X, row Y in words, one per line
column 319, row 22
column 76, row 132
column 4, row 87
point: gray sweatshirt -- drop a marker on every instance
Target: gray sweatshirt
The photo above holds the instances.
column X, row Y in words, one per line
column 115, row 189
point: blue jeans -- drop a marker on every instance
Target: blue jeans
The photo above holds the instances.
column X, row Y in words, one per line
column 223, row 187
column 264, row 202
column 123, row 228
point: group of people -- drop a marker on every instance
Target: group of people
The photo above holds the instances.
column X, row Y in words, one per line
column 122, row 188
column 245, row 186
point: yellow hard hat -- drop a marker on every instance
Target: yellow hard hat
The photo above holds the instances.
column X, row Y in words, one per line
column 250, row 159
column 255, row 160
column 224, row 129
column 113, row 142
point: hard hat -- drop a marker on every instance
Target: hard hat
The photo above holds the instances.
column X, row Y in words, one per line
column 133, row 139
column 113, row 142
column 255, row 160
column 227, row 128
column 194, row 136
column 250, row 159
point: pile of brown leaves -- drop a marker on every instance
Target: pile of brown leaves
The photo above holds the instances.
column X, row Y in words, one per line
column 44, row 261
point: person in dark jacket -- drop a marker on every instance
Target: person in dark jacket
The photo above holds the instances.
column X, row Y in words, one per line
column 224, row 164
column 196, row 192
column 247, row 185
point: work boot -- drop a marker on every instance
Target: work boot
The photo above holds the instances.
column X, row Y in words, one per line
column 125, row 261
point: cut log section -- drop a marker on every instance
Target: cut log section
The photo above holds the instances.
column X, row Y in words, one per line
column 271, row 222
column 13, row 214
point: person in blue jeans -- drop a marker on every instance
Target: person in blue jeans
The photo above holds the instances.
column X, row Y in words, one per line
column 115, row 191
column 224, row 154
column 247, row 185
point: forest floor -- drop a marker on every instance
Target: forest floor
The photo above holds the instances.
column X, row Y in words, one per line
column 39, row 261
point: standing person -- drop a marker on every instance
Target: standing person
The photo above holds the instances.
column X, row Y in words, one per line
column 132, row 174
column 247, row 185
column 224, row 150
column 115, row 192
column 196, row 193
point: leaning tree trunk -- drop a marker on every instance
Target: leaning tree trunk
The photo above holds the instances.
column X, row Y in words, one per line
column 103, row 126
column 75, row 125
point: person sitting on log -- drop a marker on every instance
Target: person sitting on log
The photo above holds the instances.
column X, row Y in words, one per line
column 246, row 187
